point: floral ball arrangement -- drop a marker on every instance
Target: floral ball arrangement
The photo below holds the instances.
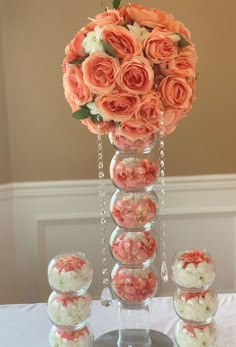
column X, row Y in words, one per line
column 195, row 336
column 199, row 307
column 128, row 66
column 134, row 285
column 70, row 273
column 193, row 269
column 69, row 313
column 133, row 248
column 76, row 338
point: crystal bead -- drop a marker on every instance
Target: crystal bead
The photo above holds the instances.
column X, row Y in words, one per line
column 106, row 281
column 162, row 163
column 105, row 271
column 103, row 220
column 164, row 272
column 162, row 154
column 106, row 297
column 104, row 251
column 105, row 261
column 162, row 144
column 162, row 173
column 103, row 240
column 101, row 175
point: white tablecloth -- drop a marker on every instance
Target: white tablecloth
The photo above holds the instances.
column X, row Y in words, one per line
column 27, row 325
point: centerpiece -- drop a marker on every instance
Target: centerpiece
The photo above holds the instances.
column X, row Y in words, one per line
column 130, row 74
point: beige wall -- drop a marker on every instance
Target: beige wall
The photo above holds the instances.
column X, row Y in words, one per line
column 5, row 174
column 47, row 144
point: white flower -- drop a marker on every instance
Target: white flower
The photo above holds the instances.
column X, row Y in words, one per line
column 95, row 111
column 92, row 42
column 139, row 32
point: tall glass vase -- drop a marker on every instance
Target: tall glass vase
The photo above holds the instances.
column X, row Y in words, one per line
column 133, row 244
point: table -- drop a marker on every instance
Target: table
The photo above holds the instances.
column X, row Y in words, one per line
column 27, row 325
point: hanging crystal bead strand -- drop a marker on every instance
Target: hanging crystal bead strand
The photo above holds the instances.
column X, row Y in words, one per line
column 162, row 217
column 106, row 296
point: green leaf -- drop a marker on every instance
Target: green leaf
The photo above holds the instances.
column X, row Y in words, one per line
column 183, row 42
column 79, row 61
column 83, row 113
column 116, row 3
column 95, row 118
column 108, row 49
column 117, row 124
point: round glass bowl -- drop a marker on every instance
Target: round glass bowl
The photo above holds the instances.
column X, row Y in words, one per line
column 133, row 210
column 69, row 312
column 134, row 286
column 77, row 338
column 70, row 273
column 134, row 171
column 123, row 144
column 133, row 248
column 193, row 269
column 187, row 335
column 196, row 307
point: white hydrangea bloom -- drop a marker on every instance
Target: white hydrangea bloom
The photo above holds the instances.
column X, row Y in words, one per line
column 92, row 42
column 94, row 110
column 139, row 32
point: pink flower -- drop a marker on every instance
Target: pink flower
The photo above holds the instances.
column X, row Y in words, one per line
column 133, row 251
column 117, row 106
column 149, row 109
column 134, row 285
column 74, row 50
column 108, row 17
column 195, row 257
column 176, row 92
column 172, row 117
column 184, row 62
column 105, row 127
column 150, row 17
column 134, row 173
column 76, row 92
column 134, row 211
column 69, row 263
column 160, row 46
column 124, row 44
column 72, row 335
column 122, row 143
column 100, row 72
column 134, row 130
column 136, row 75
column 178, row 27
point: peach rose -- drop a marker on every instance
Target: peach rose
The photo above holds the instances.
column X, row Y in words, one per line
column 76, row 92
column 105, row 127
column 124, row 43
column 136, row 75
column 160, row 46
column 150, row 17
column 178, row 27
column 135, row 130
column 171, row 119
column 176, row 92
column 149, row 109
column 109, row 17
column 117, row 106
column 184, row 62
column 74, row 50
column 100, row 71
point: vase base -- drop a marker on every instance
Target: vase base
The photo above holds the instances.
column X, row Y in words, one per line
column 110, row 339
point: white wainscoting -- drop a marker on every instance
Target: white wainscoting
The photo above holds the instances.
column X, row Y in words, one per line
column 42, row 219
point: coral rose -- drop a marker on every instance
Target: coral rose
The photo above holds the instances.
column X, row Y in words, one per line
column 100, row 72
column 184, row 62
column 149, row 109
column 104, row 127
column 76, row 92
column 136, row 75
column 149, row 17
column 135, row 130
column 109, row 17
column 74, row 50
column 124, row 43
column 171, row 118
column 117, row 106
column 176, row 92
column 161, row 46
column 179, row 27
